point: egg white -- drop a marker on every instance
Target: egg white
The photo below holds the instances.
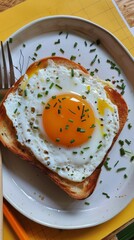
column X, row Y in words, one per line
column 25, row 110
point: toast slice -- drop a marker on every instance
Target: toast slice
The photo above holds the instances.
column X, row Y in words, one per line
column 76, row 190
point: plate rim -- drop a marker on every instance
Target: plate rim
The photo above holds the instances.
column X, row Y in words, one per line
column 127, row 52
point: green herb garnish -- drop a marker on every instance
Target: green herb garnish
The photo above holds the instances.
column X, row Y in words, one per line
column 72, row 72
column 72, row 58
column 72, row 141
column 38, row 47
column 39, row 95
column 75, row 44
column 122, row 151
column 121, row 169
column 92, row 50
column 93, row 61
column 61, row 50
column 81, row 130
column 58, row 86
column 107, row 196
column 57, row 42
column 52, row 84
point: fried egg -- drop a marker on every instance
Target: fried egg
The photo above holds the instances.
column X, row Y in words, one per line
column 65, row 118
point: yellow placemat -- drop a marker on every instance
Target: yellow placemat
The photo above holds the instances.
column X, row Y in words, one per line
column 104, row 13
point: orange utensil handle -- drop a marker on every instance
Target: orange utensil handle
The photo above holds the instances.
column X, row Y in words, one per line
column 18, row 229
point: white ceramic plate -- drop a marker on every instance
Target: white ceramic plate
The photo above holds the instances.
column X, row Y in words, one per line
column 25, row 187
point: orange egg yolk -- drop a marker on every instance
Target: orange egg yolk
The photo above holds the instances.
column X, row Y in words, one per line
column 68, row 120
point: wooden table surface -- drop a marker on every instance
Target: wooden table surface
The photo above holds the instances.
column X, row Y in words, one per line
column 5, row 4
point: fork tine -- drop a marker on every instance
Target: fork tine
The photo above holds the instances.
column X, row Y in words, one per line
column 5, row 82
column 11, row 68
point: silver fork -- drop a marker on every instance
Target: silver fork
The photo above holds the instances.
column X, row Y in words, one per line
column 7, row 79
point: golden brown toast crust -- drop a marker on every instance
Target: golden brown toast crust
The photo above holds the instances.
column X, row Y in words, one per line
column 77, row 190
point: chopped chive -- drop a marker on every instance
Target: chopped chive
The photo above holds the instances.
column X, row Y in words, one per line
column 99, row 146
column 46, row 92
column 92, row 74
column 24, row 45
column 132, row 158
column 72, row 58
column 93, row 126
column 91, row 44
column 93, row 61
column 104, row 135
column 53, row 97
column 52, row 84
column 75, row 44
column 57, row 42
column 129, row 126
column 87, row 203
column 25, row 93
column 53, row 54
column 92, row 50
column 128, row 142
column 60, row 33
column 47, row 79
column 57, row 139
column 39, row 95
column 61, row 50
column 121, row 142
column 74, row 152
column 70, row 120
column 122, row 151
column 96, row 70
column 125, row 175
column 85, row 43
column 67, row 35
column 81, row 130
column 85, row 148
column 121, row 169
column 118, row 70
column 72, row 141
column 38, row 47
column 106, row 166
column 67, row 127
column 83, row 79
column 121, row 87
column 58, row 168
column 33, row 58
column 15, row 110
column 35, row 127
column 58, row 86
column 116, row 163
column 107, row 196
